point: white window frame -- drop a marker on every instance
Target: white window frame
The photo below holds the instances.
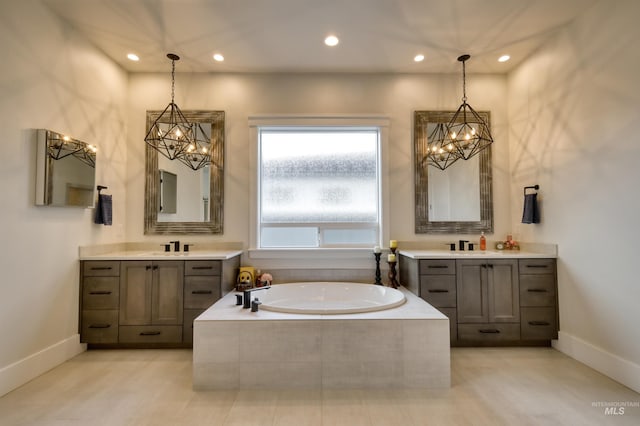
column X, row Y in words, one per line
column 331, row 121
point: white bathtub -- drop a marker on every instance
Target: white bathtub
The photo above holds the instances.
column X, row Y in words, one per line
column 329, row 298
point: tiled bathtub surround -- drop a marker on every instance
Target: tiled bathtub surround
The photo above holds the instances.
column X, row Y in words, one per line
column 403, row 347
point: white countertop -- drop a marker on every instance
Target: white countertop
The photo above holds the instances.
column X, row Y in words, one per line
column 475, row 254
column 160, row 255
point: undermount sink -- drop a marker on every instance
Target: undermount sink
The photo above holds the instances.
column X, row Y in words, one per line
column 163, row 253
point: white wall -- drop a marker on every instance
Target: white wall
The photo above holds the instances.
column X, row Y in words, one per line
column 574, row 113
column 51, row 79
column 242, row 95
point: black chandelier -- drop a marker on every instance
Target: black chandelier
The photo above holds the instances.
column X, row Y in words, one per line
column 173, row 136
column 464, row 136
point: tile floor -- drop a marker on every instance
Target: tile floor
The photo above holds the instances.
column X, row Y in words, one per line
column 490, row 386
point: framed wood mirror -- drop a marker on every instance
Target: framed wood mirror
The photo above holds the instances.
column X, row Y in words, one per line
column 199, row 194
column 457, row 200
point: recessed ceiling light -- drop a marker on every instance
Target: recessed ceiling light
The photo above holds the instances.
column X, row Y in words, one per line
column 133, row 57
column 218, row 57
column 504, row 58
column 331, row 40
column 419, row 58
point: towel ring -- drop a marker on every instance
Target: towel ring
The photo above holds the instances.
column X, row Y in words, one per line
column 536, row 187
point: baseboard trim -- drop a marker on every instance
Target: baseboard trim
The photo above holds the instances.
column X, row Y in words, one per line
column 20, row 372
column 611, row 365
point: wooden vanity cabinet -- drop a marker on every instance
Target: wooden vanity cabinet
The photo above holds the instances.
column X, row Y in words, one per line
column 99, row 298
column 202, row 289
column 142, row 303
column 488, row 299
column 538, row 299
column 151, row 304
column 438, row 287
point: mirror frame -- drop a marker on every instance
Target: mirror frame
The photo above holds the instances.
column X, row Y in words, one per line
column 216, row 180
column 422, row 223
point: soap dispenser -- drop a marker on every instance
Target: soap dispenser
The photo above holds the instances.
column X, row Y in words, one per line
column 483, row 241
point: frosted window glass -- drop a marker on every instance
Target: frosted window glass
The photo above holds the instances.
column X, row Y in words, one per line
column 319, row 176
column 349, row 236
column 289, row 237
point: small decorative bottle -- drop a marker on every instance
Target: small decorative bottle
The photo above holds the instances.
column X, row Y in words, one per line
column 483, row 241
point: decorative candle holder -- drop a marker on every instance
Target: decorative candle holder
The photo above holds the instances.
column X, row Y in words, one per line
column 393, row 281
column 378, row 275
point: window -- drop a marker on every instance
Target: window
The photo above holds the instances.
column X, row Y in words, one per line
column 318, row 186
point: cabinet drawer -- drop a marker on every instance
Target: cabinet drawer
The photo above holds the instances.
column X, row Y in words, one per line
column 453, row 322
column 201, row 292
column 187, row 325
column 539, row 323
column 100, row 326
column 439, row 290
column 101, row 268
column 202, row 267
column 150, row 334
column 537, row 290
column 537, row 266
column 437, row 267
column 100, row 293
column 489, row 332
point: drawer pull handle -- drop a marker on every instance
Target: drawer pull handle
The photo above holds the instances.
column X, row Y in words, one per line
column 537, row 266
column 437, row 266
column 488, row 331
column 100, row 293
column 201, row 292
column 150, row 333
column 537, row 290
column 202, row 267
column 438, row 290
column 99, row 325
column 101, row 268
column 539, row 323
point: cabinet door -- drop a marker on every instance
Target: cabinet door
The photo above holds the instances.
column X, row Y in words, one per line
column 135, row 292
column 167, row 292
column 471, row 283
column 503, row 290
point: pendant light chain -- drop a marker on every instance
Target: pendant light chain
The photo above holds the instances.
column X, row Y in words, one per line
column 464, row 82
column 173, row 79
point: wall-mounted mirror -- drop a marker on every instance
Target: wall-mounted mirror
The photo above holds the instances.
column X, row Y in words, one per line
column 197, row 194
column 65, row 170
column 457, row 200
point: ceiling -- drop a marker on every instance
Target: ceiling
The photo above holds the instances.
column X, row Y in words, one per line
column 287, row 35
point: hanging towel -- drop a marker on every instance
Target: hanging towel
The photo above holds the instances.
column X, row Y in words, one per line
column 104, row 210
column 530, row 211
